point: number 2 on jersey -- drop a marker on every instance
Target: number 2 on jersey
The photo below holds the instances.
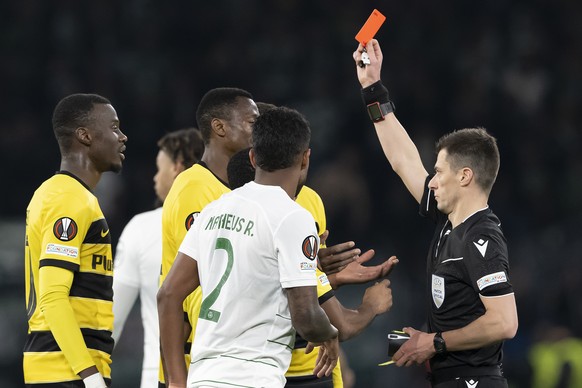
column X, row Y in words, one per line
column 205, row 311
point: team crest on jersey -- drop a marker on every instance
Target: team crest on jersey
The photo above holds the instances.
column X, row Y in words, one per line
column 310, row 247
column 65, row 229
column 190, row 220
column 438, row 290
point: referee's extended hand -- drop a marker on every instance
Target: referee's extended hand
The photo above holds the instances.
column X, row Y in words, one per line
column 418, row 349
column 369, row 74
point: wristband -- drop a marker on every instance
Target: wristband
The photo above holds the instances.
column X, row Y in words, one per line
column 94, row 381
column 377, row 100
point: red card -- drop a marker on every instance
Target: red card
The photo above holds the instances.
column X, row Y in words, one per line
column 371, row 27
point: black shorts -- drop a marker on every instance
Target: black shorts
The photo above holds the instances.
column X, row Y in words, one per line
column 477, row 382
column 310, row 381
column 469, row 377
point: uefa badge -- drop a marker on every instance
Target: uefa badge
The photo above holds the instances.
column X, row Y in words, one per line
column 190, row 220
column 310, row 247
column 438, row 290
column 65, row 229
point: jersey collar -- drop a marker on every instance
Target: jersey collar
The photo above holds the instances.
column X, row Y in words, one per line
column 63, row 172
column 203, row 164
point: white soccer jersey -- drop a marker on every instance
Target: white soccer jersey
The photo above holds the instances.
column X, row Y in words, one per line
column 250, row 245
column 138, row 259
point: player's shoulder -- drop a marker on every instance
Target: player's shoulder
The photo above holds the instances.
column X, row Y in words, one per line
column 196, row 179
column 146, row 218
column 309, row 194
column 65, row 191
column 273, row 200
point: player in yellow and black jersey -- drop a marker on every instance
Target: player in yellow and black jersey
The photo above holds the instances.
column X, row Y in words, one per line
column 224, row 117
column 68, row 261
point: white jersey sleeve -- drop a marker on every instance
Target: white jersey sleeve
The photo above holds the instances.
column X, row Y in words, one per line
column 296, row 245
column 189, row 245
column 126, row 277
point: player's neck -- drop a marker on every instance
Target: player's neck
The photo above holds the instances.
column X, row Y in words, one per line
column 287, row 179
column 216, row 161
column 82, row 168
column 467, row 206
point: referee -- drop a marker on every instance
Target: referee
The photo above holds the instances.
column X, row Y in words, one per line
column 471, row 307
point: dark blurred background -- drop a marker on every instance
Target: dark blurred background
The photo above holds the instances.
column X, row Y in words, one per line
column 514, row 67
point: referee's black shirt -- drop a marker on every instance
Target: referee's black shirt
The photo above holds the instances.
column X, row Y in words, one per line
column 463, row 263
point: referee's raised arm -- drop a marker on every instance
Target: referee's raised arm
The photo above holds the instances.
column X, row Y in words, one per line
column 397, row 145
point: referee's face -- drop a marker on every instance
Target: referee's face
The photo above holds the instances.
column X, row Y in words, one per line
column 444, row 184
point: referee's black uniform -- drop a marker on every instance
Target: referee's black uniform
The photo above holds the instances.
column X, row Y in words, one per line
column 463, row 263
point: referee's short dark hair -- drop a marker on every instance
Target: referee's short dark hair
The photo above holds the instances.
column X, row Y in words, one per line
column 474, row 148
column 217, row 103
column 183, row 145
column 279, row 137
column 72, row 112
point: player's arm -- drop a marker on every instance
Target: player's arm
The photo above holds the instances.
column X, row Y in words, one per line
column 125, row 284
column 377, row 300
column 308, row 317
column 124, row 297
column 54, row 287
column 397, row 145
column 313, row 325
column 181, row 281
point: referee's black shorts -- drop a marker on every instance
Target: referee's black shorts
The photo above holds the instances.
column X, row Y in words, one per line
column 469, row 377
column 477, row 382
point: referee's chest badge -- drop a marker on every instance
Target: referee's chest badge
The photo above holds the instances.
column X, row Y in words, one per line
column 438, row 290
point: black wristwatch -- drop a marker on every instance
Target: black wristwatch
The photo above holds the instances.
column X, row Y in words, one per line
column 378, row 111
column 439, row 343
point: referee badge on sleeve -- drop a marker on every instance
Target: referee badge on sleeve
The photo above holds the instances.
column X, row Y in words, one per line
column 438, row 290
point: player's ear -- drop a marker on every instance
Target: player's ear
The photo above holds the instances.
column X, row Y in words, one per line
column 252, row 158
column 178, row 166
column 305, row 159
column 218, row 127
column 466, row 176
column 83, row 136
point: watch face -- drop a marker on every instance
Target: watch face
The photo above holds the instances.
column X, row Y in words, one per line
column 375, row 112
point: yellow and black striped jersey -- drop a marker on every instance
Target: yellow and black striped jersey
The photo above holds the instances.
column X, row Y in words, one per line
column 191, row 191
column 69, row 276
column 302, row 364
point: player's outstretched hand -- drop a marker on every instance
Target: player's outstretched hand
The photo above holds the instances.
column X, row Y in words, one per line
column 355, row 272
column 335, row 258
column 379, row 297
column 369, row 74
column 326, row 358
